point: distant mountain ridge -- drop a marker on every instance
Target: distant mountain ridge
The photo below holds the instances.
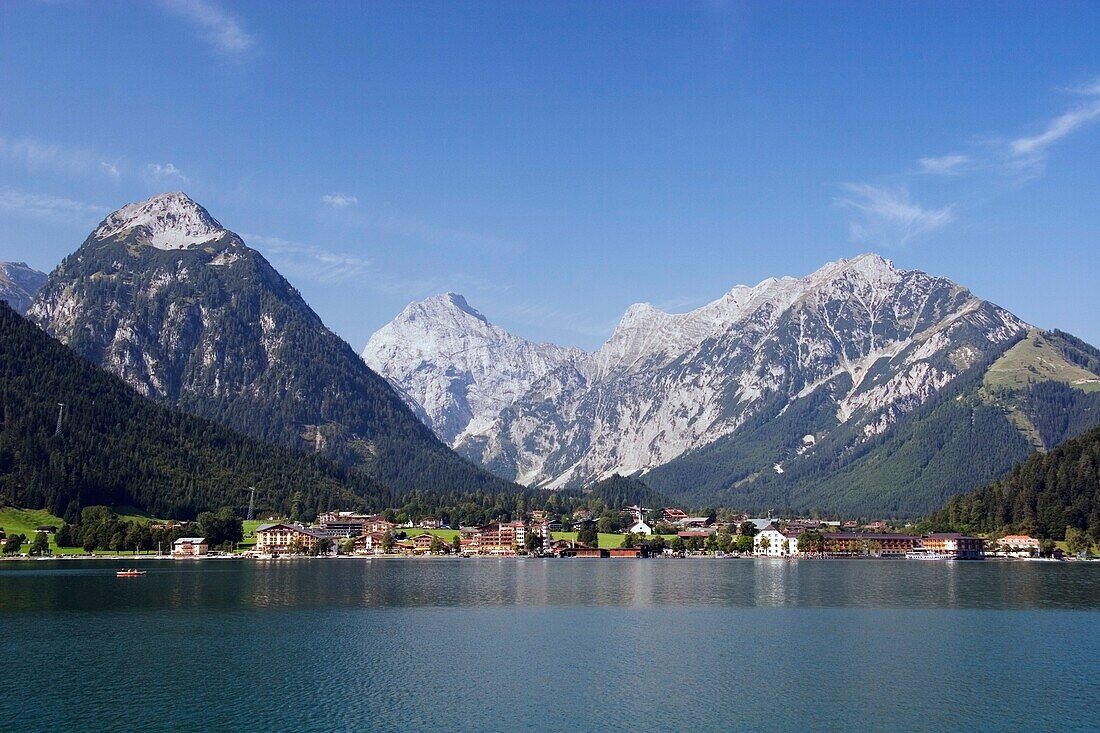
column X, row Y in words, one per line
column 19, row 283
column 734, row 402
column 164, row 296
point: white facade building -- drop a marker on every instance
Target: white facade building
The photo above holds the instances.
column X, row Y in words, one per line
column 778, row 544
column 190, row 546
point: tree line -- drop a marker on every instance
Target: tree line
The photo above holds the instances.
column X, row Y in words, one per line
column 1053, row 495
column 99, row 528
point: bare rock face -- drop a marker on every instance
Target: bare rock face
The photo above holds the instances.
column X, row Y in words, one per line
column 872, row 341
column 459, row 371
column 18, row 284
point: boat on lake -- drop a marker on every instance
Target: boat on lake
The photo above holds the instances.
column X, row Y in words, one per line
column 129, row 573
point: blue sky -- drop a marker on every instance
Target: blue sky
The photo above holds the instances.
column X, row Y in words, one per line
column 557, row 161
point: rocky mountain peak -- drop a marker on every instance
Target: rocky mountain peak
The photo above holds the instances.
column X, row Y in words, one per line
column 170, row 221
column 457, row 369
column 163, row 296
column 18, row 284
column 449, row 302
column 868, row 267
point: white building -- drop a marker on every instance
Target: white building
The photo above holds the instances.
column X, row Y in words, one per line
column 638, row 526
column 190, row 546
column 771, row 542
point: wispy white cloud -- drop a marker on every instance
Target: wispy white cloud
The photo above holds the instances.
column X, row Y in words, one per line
column 339, row 200
column 37, row 156
column 1056, row 129
column 309, row 261
column 217, row 26
column 165, row 172
column 1031, row 149
column 1020, row 157
column 945, row 165
column 889, row 217
column 1090, row 89
column 298, row 260
column 111, row 169
column 52, row 208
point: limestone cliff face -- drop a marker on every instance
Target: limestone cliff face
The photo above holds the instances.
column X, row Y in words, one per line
column 871, row 340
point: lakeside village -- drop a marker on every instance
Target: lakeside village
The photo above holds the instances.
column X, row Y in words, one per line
column 675, row 534
column 669, row 532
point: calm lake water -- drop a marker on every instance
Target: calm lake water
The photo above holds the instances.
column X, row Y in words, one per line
column 551, row 645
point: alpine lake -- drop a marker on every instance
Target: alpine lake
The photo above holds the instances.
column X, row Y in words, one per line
column 550, row 645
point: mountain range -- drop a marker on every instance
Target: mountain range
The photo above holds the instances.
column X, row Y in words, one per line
column 182, row 310
column 861, row 387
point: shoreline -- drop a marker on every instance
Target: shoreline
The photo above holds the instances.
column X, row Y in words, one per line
column 435, row 558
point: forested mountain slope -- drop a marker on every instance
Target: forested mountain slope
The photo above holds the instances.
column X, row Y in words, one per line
column 116, row 447
column 1044, row 496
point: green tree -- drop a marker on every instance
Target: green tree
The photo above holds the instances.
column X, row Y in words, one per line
column 296, row 506
column 743, row 543
column 436, row 545
column 133, row 536
column 220, row 526
column 654, row 546
column 13, row 543
column 677, row 544
column 1077, row 541
column 588, row 535
column 747, row 529
column 322, row 547
column 64, row 536
column 532, row 541
column 387, row 543
column 811, row 541
column 456, row 544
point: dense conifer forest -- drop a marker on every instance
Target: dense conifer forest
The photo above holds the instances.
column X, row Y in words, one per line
column 1046, row 495
column 115, row 447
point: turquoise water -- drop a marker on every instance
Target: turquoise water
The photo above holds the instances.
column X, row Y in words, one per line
column 551, row 645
